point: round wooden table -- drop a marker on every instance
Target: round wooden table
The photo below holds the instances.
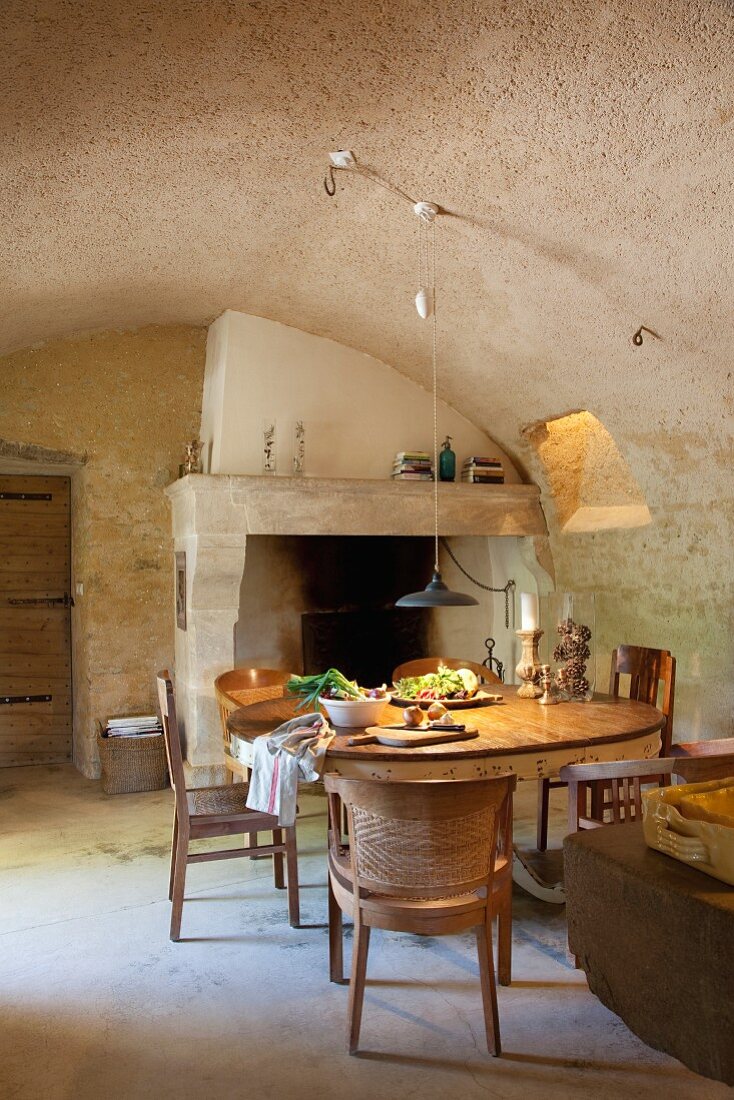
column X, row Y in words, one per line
column 516, row 735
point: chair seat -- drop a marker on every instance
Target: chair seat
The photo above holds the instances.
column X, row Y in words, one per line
column 229, row 799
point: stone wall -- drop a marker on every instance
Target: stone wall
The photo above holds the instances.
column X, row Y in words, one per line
column 125, row 402
column 669, row 584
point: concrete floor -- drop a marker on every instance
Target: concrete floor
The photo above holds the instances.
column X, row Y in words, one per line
column 96, row 1001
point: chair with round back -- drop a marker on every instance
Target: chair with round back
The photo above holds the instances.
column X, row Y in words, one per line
column 238, row 688
column 423, row 665
column 421, row 858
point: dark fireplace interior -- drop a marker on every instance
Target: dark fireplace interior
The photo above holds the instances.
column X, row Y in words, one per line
column 308, row 603
column 366, row 645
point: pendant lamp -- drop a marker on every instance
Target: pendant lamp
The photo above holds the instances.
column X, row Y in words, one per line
column 436, row 593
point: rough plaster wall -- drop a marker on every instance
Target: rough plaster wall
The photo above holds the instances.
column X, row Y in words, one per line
column 160, row 165
column 592, row 485
column 128, row 401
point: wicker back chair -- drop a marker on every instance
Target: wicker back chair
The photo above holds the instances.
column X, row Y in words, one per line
column 421, row 859
column 238, row 688
column 423, row 665
column 214, row 812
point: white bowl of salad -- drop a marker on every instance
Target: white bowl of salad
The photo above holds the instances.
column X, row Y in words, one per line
column 355, row 712
column 345, row 702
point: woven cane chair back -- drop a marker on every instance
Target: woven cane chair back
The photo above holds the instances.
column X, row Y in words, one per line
column 423, row 839
column 241, row 686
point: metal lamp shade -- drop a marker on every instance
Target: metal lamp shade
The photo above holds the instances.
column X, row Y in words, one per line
column 436, row 594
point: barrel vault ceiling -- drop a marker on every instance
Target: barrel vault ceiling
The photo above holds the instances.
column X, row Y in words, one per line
column 164, row 161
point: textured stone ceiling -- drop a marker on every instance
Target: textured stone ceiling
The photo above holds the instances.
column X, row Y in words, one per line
column 164, row 161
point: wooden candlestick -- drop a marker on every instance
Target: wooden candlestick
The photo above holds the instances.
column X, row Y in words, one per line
column 528, row 667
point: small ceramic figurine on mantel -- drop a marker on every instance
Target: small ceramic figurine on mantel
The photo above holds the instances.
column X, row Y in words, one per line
column 447, row 462
column 192, row 462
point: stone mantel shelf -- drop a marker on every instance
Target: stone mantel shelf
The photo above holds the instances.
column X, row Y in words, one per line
column 227, row 504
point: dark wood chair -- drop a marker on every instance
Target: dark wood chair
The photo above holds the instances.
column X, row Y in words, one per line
column 707, row 765
column 611, row 793
column 420, row 858
column 588, row 784
column 422, row 665
column 216, row 812
column 651, row 680
column 695, row 750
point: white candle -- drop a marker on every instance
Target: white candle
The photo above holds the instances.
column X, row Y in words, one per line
column 528, row 611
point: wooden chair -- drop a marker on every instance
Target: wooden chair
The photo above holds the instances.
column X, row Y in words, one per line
column 423, row 665
column 588, row 784
column 238, row 688
column 707, row 765
column 213, row 812
column 651, row 673
column 421, row 858
column 694, row 750
column 652, row 676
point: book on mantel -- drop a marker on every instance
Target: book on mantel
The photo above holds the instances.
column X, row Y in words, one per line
column 478, row 470
column 412, row 466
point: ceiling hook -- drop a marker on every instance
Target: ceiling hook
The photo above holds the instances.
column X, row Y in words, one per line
column 330, row 182
column 637, row 338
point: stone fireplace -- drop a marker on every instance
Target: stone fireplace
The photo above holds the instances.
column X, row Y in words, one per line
column 219, row 521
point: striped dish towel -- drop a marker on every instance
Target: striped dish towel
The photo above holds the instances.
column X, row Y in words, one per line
column 296, row 750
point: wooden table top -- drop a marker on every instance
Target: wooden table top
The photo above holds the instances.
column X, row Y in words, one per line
column 513, row 726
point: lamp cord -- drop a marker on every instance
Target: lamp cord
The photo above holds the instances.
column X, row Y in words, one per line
column 434, row 358
column 487, row 587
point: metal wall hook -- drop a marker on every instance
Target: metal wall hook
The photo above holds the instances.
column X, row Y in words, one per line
column 637, row 338
column 330, row 182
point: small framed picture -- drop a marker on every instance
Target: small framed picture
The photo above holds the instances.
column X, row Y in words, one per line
column 181, row 589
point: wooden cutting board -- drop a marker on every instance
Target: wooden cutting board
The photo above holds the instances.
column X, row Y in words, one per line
column 410, row 739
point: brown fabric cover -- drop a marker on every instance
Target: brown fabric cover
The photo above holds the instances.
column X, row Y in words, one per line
column 656, row 939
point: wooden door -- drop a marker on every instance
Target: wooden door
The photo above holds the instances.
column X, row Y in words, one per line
column 35, row 620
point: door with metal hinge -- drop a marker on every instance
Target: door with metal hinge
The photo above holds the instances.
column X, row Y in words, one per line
column 35, row 620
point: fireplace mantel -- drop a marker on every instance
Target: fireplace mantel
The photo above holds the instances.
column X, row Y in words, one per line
column 250, row 505
column 213, row 515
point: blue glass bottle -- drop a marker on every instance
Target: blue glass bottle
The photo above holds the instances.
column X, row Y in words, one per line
column 447, row 462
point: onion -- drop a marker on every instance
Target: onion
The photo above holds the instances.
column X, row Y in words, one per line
column 413, row 716
column 436, row 711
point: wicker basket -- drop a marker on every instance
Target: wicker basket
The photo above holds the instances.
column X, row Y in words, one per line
column 132, row 764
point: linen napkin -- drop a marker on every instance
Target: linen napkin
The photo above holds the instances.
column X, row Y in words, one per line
column 296, row 750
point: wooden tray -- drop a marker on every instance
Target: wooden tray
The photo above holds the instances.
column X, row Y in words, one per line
column 481, row 699
column 409, row 739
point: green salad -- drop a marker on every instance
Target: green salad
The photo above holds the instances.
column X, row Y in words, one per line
column 445, row 683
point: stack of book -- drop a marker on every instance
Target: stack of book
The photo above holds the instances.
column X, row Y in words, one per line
column 483, row 471
column 412, row 466
column 138, row 725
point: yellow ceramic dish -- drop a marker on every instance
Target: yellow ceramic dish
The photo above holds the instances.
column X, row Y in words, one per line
column 714, row 806
column 700, row 842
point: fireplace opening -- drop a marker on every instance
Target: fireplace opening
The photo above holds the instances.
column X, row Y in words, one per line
column 365, row 644
column 308, row 603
